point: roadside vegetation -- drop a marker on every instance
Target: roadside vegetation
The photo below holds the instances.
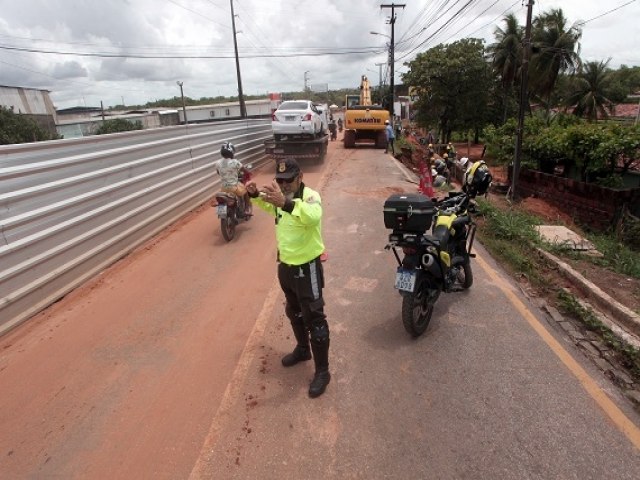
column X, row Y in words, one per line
column 16, row 128
column 627, row 355
column 469, row 91
column 510, row 235
column 116, row 125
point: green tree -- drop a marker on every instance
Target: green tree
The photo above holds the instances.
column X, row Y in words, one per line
column 624, row 81
column 118, row 125
column 17, row 128
column 453, row 83
column 590, row 95
column 506, row 56
column 556, row 50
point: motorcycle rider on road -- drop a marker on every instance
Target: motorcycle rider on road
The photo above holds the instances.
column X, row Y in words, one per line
column 229, row 170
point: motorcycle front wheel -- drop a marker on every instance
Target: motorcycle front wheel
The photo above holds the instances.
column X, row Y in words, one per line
column 228, row 227
column 417, row 309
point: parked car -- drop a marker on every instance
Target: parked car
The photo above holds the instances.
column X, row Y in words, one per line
column 296, row 118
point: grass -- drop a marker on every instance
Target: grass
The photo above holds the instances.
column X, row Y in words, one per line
column 510, row 235
column 628, row 355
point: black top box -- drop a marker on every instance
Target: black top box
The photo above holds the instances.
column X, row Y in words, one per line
column 409, row 212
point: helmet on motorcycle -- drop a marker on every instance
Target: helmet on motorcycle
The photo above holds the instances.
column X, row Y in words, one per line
column 227, row 150
column 478, row 179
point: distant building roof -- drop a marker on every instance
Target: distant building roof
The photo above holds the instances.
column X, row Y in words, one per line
column 70, row 110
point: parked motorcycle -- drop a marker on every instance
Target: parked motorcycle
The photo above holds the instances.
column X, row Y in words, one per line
column 433, row 262
column 231, row 209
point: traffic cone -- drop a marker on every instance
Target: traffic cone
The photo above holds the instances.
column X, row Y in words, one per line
column 426, row 183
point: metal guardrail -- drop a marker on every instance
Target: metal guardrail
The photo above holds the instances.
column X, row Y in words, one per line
column 70, row 208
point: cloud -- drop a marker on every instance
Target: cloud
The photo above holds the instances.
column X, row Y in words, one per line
column 69, row 69
column 203, row 28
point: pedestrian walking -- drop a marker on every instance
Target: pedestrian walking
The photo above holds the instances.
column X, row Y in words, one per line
column 390, row 136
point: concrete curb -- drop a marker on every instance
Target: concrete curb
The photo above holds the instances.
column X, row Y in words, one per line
column 625, row 315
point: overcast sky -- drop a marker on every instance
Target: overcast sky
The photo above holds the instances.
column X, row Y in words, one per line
column 278, row 41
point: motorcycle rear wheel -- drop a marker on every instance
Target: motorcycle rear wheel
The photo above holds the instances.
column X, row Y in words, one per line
column 465, row 276
column 417, row 309
column 228, row 227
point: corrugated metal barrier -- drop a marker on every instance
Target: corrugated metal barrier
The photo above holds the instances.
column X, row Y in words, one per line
column 69, row 208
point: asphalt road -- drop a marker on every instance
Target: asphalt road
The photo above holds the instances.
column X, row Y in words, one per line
column 168, row 366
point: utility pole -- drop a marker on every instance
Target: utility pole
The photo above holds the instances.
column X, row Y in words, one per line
column 523, row 100
column 392, row 21
column 184, row 107
column 306, row 81
column 243, row 108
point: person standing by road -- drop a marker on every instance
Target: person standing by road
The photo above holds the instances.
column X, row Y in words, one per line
column 298, row 213
column 390, row 136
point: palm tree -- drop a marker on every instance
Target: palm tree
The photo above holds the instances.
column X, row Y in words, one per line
column 506, row 55
column 556, row 50
column 590, row 95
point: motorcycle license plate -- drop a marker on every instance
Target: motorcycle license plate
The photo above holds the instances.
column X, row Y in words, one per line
column 405, row 280
column 222, row 211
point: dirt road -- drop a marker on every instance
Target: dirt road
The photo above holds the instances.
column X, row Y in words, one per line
column 167, row 366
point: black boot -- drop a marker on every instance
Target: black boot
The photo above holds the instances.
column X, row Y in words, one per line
column 299, row 354
column 302, row 352
column 322, row 376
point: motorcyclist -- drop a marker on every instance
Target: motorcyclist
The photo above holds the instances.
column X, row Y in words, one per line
column 230, row 170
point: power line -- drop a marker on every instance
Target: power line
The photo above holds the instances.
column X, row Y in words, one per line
column 465, row 6
column 605, row 13
column 475, row 18
column 199, row 14
column 365, row 50
column 489, row 23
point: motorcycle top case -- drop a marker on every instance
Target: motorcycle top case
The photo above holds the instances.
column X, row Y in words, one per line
column 409, row 212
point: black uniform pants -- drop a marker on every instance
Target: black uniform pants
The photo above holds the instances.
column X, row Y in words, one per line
column 302, row 286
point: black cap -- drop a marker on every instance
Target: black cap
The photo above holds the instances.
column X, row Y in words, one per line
column 287, row 168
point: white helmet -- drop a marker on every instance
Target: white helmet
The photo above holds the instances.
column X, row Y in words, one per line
column 463, row 162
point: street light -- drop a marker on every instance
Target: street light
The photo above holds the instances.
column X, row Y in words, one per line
column 382, row 34
column 184, row 108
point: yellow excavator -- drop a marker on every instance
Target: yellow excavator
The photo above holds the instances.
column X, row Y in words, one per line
column 363, row 121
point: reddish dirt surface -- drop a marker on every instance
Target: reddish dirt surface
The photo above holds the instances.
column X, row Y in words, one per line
column 125, row 377
column 84, row 382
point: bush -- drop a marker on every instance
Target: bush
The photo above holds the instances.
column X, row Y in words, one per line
column 17, row 128
column 118, row 125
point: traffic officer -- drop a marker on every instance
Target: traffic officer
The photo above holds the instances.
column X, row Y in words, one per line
column 298, row 214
